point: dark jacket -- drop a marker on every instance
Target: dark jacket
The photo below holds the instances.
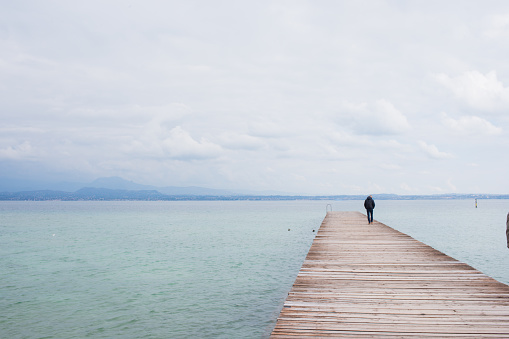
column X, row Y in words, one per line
column 369, row 203
column 507, row 230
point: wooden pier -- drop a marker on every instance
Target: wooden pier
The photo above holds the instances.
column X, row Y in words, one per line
column 361, row 280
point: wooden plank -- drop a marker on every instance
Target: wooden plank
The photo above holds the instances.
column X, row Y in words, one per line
column 361, row 280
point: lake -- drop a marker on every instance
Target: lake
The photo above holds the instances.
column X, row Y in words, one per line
column 188, row 269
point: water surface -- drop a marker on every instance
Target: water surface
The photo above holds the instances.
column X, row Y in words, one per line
column 217, row 269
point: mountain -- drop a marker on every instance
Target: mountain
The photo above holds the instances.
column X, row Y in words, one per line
column 117, row 183
column 88, row 193
column 115, row 188
column 192, row 190
column 98, row 194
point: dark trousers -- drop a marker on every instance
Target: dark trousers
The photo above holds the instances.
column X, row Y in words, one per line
column 369, row 211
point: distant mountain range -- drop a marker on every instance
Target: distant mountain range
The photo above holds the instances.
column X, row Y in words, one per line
column 19, row 187
column 117, row 183
column 115, row 188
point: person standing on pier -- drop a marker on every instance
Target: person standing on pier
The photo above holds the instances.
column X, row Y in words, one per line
column 369, row 205
column 507, row 230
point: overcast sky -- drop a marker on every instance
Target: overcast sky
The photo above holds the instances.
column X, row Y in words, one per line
column 310, row 97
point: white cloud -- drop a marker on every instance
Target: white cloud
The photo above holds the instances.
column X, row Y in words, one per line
column 378, row 118
column 479, row 91
column 390, row 167
column 271, row 127
column 405, row 187
column 180, row 145
column 472, row 126
column 451, row 186
column 498, row 27
column 177, row 143
column 132, row 113
column 432, row 151
column 447, row 187
column 216, row 92
column 20, row 151
column 237, row 141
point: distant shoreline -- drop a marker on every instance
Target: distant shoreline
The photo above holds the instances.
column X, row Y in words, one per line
column 102, row 194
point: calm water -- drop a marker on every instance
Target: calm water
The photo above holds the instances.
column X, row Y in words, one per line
column 193, row 269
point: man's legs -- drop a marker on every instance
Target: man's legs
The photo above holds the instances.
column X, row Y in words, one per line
column 370, row 215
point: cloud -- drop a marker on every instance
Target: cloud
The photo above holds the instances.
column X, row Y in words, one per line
column 447, row 187
column 180, row 145
column 174, row 144
column 17, row 152
column 479, row 91
column 432, row 151
column 131, row 113
column 405, row 187
column 472, row 126
column 216, row 92
column 378, row 118
column 237, row 141
column 390, row 167
column 451, row 186
column 498, row 27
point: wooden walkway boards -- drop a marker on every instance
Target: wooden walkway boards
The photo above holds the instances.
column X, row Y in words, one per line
column 371, row 281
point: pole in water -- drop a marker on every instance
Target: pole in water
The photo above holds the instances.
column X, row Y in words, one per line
column 475, row 203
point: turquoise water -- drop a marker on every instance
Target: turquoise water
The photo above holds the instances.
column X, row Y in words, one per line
column 193, row 269
column 472, row 235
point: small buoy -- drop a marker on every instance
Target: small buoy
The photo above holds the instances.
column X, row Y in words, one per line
column 313, row 230
column 288, row 230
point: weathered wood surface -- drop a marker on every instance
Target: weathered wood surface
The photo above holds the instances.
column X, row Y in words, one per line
column 361, row 280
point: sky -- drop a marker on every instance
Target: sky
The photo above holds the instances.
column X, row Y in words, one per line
column 306, row 97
